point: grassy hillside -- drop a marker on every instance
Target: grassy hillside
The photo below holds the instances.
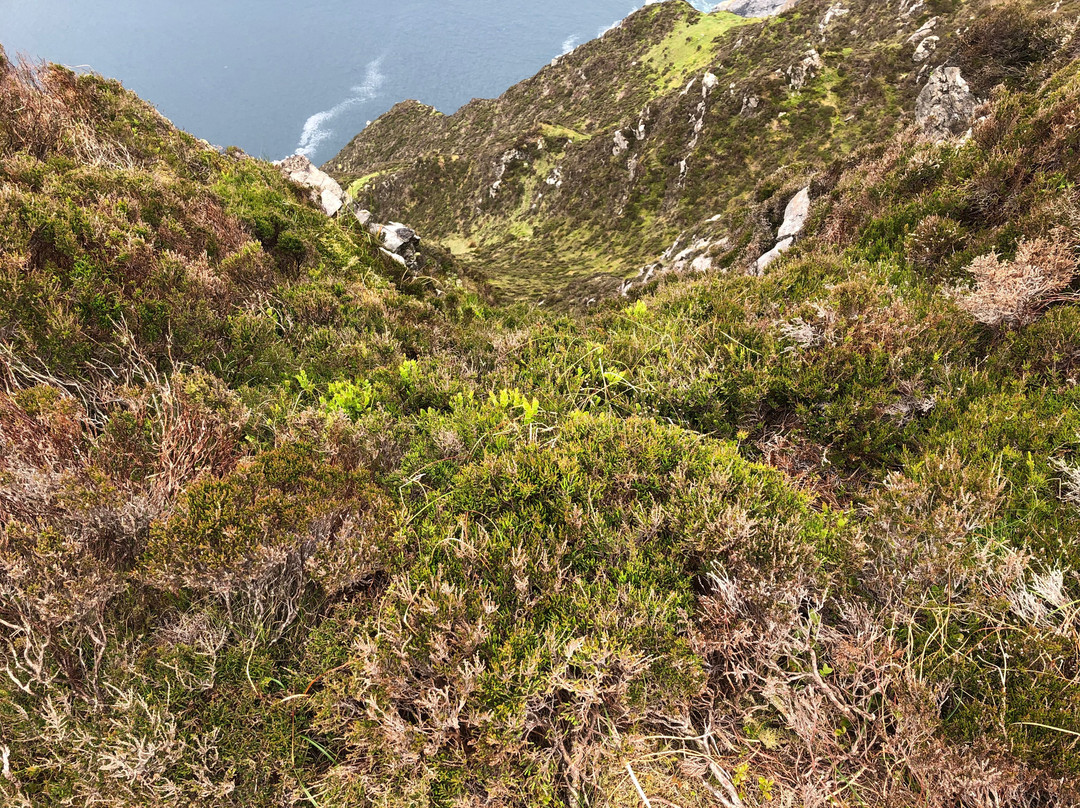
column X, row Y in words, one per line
column 596, row 165
column 280, row 527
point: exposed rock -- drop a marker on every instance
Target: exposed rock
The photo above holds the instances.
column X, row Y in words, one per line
column 686, row 258
column 781, row 247
column 795, row 215
column 398, row 241
column 704, row 242
column 325, row 190
column 755, row 8
column 694, row 250
column 621, row 144
column 331, row 202
column 646, row 274
column 924, row 40
column 702, row 263
column 909, row 7
column 836, row 10
column 397, row 259
column 708, row 83
column 803, row 71
column 926, row 49
column 506, row 160
column 395, row 236
column 208, row 146
column 946, row 105
column 925, row 31
column 643, row 121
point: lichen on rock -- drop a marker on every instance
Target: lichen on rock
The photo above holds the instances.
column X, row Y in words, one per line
column 946, row 106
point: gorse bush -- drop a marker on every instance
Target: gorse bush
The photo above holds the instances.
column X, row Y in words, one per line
column 280, row 528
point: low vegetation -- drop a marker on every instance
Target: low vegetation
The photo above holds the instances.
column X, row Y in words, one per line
column 279, row 526
column 683, row 119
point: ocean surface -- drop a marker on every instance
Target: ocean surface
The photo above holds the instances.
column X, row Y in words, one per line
column 282, row 76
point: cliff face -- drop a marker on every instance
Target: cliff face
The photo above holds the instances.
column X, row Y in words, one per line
column 755, row 8
column 598, row 163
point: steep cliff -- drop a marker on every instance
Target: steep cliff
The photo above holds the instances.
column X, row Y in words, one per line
column 596, row 165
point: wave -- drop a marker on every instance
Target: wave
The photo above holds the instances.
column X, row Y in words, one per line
column 316, row 129
column 570, row 43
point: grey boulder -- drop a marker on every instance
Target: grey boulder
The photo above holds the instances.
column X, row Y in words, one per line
column 946, row 106
column 324, row 189
column 396, row 241
column 755, row 8
column 795, row 215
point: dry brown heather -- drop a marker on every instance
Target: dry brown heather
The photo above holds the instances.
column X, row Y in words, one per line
column 280, row 527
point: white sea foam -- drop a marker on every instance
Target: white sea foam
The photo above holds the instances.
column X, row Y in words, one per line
column 317, row 128
column 618, row 23
column 607, row 28
column 570, row 43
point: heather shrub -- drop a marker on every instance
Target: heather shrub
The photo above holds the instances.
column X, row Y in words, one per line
column 932, row 243
column 279, row 527
column 282, row 503
column 502, row 652
column 1013, row 293
column 1002, row 45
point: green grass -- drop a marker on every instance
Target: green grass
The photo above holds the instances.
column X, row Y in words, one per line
column 557, row 132
column 357, row 186
column 690, row 46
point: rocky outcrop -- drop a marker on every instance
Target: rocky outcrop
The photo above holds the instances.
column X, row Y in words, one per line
column 705, row 247
column 325, row 191
column 946, row 106
column 835, row 12
column 621, row 144
column 795, row 216
column 804, row 70
column 924, row 40
column 756, row 8
column 506, row 162
column 397, row 242
column 781, row 247
column 926, row 49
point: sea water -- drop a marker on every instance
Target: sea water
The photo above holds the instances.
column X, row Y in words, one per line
column 277, row 77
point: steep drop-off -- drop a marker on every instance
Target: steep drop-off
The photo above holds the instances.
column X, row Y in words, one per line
column 677, row 123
